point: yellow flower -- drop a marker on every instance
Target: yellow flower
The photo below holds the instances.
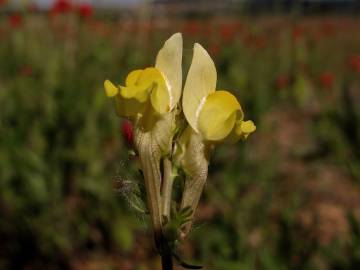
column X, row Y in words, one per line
column 159, row 86
column 213, row 114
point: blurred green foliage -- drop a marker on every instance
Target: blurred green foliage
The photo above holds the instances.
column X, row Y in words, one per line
column 287, row 199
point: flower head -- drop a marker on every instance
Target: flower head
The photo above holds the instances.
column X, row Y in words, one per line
column 15, row 20
column 158, row 87
column 192, row 28
column 85, row 10
column 2, row 2
column 61, row 7
column 149, row 98
column 354, row 63
column 213, row 114
column 141, row 86
column 228, row 32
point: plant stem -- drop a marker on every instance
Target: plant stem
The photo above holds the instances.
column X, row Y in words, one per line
column 166, row 189
column 166, row 255
column 167, row 261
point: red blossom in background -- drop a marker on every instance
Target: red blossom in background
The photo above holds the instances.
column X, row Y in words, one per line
column 327, row 29
column 248, row 39
column 85, row 10
column 228, row 32
column 192, row 28
column 127, row 131
column 146, row 26
column 61, row 7
column 297, row 32
column 2, row 2
column 354, row 63
column 261, row 42
column 209, row 29
column 282, row 81
column 238, row 26
column 327, row 79
column 26, row 71
column 214, row 49
column 15, row 20
column 256, row 41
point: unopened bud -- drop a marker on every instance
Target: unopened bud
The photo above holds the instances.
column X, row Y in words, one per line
column 128, row 132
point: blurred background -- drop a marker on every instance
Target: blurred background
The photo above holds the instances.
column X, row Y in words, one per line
column 288, row 198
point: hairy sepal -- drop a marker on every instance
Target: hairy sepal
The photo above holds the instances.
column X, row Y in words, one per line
column 192, row 155
column 153, row 139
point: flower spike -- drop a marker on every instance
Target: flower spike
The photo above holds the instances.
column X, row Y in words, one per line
column 172, row 143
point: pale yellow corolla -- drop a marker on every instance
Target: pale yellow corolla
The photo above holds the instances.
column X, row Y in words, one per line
column 215, row 115
column 159, row 86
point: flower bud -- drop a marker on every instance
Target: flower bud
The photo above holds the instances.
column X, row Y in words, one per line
column 127, row 132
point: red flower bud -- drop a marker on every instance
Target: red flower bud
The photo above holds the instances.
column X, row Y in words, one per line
column 128, row 132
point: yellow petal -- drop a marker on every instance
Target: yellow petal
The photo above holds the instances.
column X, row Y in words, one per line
column 244, row 128
column 128, row 107
column 168, row 61
column 149, row 76
column 200, row 82
column 160, row 95
column 241, row 130
column 218, row 115
column 110, row 89
column 133, row 76
column 140, row 93
column 143, row 83
column 247, row 126
column 160, row 99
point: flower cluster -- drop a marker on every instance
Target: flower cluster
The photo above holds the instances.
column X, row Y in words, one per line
column 177, row 127
column 83, row 9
